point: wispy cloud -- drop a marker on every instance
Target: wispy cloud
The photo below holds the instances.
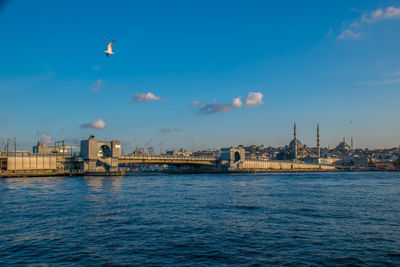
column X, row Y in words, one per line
column 197, row 103
column 390, row 12
column 169, row 130
column 97, row 85
column 393, row 74
column 96, row 67
column 374, row 16
column 349, row 34
column 380, row 82
column 142, row 97
column 215, row 107
column 385, row 79
column 252, row 99
column 97, row 124
column 46, row 139
column 329, row 33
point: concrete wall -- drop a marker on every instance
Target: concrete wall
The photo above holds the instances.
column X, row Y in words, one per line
column 31, row 162
column 281, row 165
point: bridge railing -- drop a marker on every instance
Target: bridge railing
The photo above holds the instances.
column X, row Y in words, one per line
column 30, row 154
column 273, row 160
column 289, row 161
column 166, row 157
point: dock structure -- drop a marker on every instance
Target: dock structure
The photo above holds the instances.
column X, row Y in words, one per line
column 98, row 157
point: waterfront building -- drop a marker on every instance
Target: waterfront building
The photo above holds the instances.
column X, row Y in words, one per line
column 42, row 148
column 181, row 152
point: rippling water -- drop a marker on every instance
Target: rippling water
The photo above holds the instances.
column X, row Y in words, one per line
column 304, row 218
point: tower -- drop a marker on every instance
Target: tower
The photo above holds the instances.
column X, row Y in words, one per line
column 351, row 143
column 318, row 146
column 295, row 140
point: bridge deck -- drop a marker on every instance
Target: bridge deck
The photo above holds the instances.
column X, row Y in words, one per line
column 172, row 160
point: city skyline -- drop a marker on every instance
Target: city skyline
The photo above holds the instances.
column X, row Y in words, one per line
column 162, row 146
column 201, row 74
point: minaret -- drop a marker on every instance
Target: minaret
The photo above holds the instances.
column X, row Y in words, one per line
column 295, row 141
column 318, row 147
column 351, row 143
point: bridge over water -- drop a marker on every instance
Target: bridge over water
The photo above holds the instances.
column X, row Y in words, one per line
column 170, row 160
column 105, row 157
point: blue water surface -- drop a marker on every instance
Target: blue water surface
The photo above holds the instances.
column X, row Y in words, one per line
column 245, row 219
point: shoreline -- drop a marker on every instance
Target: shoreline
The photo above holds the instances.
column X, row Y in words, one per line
column 68, row 174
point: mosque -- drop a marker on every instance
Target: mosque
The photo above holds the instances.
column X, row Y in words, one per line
column 296, row 150
column 343, row 147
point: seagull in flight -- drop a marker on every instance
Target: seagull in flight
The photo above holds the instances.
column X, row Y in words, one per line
column 109, row 49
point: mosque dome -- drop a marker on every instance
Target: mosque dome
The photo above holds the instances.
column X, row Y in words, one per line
column 295, row 142
column 343, row 146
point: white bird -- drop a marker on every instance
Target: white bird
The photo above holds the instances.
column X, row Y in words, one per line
column 109, row 49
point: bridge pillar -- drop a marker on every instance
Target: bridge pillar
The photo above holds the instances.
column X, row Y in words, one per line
column 100, row 156
column 232, row 158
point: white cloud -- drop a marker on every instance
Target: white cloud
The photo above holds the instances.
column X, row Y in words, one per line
column 96, row 86
column 374, row 16
column 254, row 99
column 140, row 98
column 382, row 14
column 46, row 139
column 236, row 102
column 97, row 124
column 349, row 34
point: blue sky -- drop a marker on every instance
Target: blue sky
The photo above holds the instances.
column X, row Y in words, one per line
column 332, row 62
